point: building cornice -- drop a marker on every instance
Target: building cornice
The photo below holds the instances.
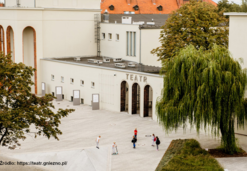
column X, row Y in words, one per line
column 235, row 13
column 51, row 9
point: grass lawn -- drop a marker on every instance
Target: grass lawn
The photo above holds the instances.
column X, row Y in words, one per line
column 187, row 155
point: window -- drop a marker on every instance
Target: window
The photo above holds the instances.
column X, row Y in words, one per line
column 103, row 36
column 72, row 81
column 92, row 84
column 117, row 37
column 62, row 79
column 110, row 36
column 131, row 43
column 134, row 43
column 52, row 77
column 82, row 83
column 127, row 43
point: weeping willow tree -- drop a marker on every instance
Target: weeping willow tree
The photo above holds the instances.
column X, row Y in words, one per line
column 205, row 89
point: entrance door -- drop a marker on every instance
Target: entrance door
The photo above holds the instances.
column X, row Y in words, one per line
column 123, row 96
column 146, row 100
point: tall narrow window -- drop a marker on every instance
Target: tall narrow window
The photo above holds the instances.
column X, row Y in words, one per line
column 134, row 43
column 127, row 43
column 131, row 41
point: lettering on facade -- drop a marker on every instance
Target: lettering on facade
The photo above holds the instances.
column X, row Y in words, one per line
column 136, row 78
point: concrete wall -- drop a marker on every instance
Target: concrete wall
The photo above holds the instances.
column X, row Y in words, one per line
column 86, row 4
column 150, row 41
column 118, row 49
column 238, row 37
column 106, row 84
column 59, row 33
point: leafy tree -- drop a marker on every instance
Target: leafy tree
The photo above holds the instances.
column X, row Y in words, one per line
column 195, row 23
column 225, row 6
column 19, row 108
column 204, row 89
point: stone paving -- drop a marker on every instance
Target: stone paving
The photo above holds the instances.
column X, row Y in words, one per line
column 81, row 128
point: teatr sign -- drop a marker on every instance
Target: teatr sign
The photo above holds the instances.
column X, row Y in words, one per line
column 133, row 77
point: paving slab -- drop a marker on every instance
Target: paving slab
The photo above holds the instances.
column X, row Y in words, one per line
column 81, row 128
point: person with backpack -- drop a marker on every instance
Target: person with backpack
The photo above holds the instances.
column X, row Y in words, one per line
column 134, row 142
column 157, row 142
column 153, row 139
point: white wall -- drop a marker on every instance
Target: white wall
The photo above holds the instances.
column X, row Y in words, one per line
column 150, row 41
column 238, row 37
column 106, row 84
column 117, row 49
column 68, row 33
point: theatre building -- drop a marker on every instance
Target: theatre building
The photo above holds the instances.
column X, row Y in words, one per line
column 71, row 47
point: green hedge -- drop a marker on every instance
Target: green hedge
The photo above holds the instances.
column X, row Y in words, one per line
column 187, row 155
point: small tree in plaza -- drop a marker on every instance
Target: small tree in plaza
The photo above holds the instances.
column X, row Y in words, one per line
column 19, row 108
column 205, row 89
column 196, row 23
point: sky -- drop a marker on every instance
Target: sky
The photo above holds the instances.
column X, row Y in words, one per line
column 236, row 1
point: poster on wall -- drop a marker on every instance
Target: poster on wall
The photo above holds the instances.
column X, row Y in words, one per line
column 59, row 90
column 76, row 94
column 95, row 98
column 43, row 86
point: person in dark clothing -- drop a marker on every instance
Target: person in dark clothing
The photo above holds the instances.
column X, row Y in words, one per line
column 134, row 142
column 157, row 142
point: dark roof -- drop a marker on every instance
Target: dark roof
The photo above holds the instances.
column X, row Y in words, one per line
column 159, row 19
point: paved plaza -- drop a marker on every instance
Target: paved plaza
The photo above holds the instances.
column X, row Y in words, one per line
column 77, row 143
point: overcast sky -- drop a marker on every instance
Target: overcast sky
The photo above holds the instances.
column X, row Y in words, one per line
column 236, row 1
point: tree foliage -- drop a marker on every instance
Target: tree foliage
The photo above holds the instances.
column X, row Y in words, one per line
column 226, row 6
column 204, row 88
column 196, row 23
column 19, row 108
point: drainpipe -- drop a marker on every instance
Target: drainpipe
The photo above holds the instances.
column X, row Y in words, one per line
column 34, row 3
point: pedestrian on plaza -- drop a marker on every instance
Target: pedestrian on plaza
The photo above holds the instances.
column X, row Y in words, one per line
column 114, row 145
column 134, row 142
column 157, row 142
column 135, row 133
column 153, row 139
column 97, row 141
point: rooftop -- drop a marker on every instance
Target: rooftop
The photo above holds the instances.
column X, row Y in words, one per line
column 144, row 6
column 109, row 65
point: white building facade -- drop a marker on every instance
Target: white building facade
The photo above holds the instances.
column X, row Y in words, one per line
column 47, row 34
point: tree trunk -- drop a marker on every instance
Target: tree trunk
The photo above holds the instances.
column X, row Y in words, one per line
column 228, row 137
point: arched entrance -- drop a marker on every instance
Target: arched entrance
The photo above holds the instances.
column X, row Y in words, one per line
column 135, row 99
column 2, row 44
column 148, row 101
column 29, row 52
column 124, row 96
column 10, row 42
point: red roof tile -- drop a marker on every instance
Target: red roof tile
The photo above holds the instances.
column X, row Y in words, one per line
column 145, row 6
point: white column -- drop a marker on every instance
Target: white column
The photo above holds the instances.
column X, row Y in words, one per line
column 141, row 100
column 130, row 98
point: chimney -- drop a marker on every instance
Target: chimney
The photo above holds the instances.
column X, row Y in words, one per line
column 106, row 17
column 128, row 2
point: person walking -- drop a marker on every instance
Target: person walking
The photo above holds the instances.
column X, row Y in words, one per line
column 114, row 145
column 134, row 142
column 135, row 133
column 97, row 141
column 157, row 142
column 153, row 139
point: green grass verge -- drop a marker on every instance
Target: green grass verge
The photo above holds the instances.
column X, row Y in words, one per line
column 187, row 155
